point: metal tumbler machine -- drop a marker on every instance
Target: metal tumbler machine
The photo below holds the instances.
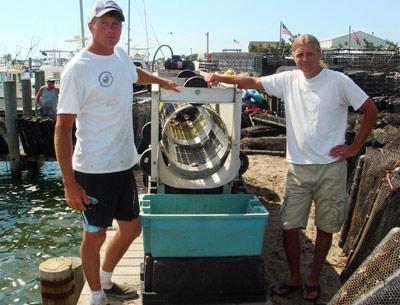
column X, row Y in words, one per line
column 202, row 242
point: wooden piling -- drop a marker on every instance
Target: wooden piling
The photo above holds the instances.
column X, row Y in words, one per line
column 79, row 278
column 26, row 88
column 57, row 281
column 39, row 80
column 10, row 101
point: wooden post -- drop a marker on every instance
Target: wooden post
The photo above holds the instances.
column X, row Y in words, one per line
column 39, row 80
column 79, row 278
column 26, row 96
column 10, row 101
column 57, row 281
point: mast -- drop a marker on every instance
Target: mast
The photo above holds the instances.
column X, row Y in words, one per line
column 147, row 34
column 349, row 37
column 82, row 26
column 129, row 27
column 208, row 37
column 280, row 35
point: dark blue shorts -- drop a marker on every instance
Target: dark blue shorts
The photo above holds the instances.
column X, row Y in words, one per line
column 116, row 194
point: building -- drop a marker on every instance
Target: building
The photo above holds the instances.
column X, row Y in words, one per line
column 355, row 40
column 263, row 45
column 238, row 61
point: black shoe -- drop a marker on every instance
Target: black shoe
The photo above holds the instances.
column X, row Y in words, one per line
column 122, row 291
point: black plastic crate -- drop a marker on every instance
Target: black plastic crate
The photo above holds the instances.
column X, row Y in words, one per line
column 203, row 280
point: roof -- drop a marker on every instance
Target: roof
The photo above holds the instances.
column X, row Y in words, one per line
column 347, row 34
column 259, row 41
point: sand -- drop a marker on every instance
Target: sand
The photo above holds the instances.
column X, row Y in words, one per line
column 266, row 178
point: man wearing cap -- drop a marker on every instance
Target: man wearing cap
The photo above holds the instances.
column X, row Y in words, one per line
column 96, row 93
column 47, row 98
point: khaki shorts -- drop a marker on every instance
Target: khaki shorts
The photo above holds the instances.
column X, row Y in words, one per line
column 325, row 184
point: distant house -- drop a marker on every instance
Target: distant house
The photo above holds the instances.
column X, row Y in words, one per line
column 355, row 40
column 263, row 44
column 240, row 61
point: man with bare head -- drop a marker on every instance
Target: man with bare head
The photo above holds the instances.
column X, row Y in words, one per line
column 316, row 103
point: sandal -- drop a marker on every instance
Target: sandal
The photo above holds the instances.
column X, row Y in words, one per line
column 307, row 289
column 285, row 289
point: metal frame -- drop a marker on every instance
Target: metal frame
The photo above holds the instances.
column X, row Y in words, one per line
column 219, row 96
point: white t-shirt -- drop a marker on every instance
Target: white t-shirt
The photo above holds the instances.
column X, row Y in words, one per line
column 316, row 111
column 98, row 89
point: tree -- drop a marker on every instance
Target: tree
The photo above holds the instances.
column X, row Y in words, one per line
column 7, row 57
column 393, row 46
column 253, row 48
column 368, row 45
column 192, row 57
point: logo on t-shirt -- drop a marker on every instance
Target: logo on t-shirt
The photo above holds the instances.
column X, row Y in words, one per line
column 105, row 79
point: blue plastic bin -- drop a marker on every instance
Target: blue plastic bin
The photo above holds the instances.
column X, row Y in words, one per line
column 202, row 225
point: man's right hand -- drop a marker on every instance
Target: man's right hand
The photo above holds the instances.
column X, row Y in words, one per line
column 75, row 195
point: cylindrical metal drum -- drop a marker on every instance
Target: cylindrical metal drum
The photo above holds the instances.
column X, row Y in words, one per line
column 194, row 139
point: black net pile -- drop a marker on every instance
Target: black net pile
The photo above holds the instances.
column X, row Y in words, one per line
column 37, row 136
column 393, row 83
column 376, row 83
column 387, row 128
column 141, row 115
column 365, row 59
column 386, row 103
column 377, row 279
column 374, row 208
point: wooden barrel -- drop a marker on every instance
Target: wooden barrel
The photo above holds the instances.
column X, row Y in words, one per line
column 57, row 281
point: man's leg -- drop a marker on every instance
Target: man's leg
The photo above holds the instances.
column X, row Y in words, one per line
column 291, row 243
column 294, row 216
column 322, row 245
column 90, row 255
column 330, row 199
column 119, row 244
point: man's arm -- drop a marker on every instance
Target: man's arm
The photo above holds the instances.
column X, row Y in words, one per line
column 242, row 81
column 38, row 96
column 145, row 78
column 370, row 113
column 74, row 193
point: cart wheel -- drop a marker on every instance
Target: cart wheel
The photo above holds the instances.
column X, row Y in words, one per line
column 145, row 138
column 186, row 74
column 196, row 81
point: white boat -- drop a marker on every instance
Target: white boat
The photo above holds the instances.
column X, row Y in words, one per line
column 12, row 72
column 18, row 72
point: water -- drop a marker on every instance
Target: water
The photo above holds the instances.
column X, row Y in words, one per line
column 35, row 224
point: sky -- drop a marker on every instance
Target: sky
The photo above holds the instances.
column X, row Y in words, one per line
column 29, row 26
